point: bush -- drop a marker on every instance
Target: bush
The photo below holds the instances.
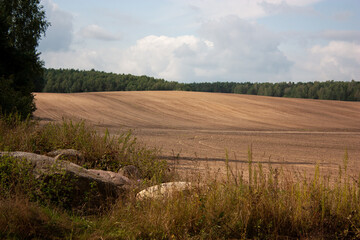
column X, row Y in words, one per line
column 16, row 177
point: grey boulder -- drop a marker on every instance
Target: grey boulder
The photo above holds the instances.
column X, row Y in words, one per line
column 103, row 185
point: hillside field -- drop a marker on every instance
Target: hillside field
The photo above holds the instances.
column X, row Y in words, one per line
column 197, row 129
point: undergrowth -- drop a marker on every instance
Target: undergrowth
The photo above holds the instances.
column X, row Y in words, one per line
column 271, row 204
column 101, row 151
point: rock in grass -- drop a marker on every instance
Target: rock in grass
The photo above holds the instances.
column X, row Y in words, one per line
column 67, row 154
column 94, row 186
column 113, row 177
column 163, row 190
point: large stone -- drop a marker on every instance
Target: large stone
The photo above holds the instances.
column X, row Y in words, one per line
column 113, row 177
column 106, row 185
column 163, row 190
column 67, row 154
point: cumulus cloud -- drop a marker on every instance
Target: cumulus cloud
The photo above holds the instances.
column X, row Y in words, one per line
column 59, row 35
column 172, row 58
column 225, row 47
column 247, row 50
column 94, row 31
column 229, row 49
column 338, row 60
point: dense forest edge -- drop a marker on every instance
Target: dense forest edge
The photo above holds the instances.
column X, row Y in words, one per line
column 72, row 81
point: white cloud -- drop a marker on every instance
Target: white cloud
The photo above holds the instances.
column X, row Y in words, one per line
column 59, row 35
column 166, row 57
column 96, row 32
column 225, row 48
column 84, row 58
column 338, row 61
column 246, row 50
column 229, row 49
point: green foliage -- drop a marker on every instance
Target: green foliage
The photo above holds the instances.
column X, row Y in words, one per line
column 14, row 101
column 22, row 22
column 70, row 80
column 17, row 178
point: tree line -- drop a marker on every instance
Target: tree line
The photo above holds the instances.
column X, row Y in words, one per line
column 71, row 81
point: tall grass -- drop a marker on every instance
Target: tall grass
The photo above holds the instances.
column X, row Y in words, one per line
column 272, row 204
column 104, row 152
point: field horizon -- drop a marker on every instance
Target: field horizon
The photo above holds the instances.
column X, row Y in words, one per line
column 198, row 128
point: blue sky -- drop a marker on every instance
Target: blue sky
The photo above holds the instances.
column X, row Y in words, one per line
column 207, row 40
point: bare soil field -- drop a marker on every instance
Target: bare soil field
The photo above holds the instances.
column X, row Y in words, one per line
column 195, row 130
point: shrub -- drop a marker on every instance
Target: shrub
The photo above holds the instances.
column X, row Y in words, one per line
column 15, row 177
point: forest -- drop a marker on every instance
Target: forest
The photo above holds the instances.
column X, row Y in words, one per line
column 71, row 81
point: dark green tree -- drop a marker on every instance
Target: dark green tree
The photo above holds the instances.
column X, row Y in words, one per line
column 71, row 80
column 22, row 23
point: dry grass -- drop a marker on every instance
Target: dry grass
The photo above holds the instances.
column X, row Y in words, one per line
column 22, row 219
column 266, row 209
column 274, row 205
column 261, row 205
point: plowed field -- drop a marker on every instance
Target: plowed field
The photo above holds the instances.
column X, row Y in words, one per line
column 197, row 129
